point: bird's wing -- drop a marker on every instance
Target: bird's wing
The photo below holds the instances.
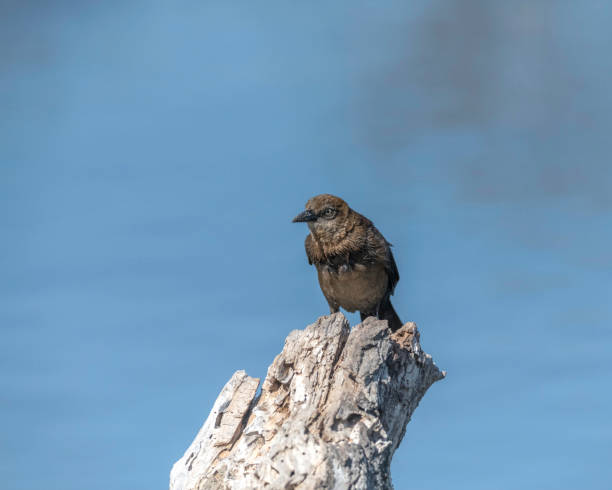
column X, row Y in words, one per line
column 382, row 251
column 391, row 268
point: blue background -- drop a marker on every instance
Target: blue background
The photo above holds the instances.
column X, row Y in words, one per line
column 154, row 153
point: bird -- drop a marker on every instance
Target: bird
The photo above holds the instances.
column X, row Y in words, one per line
column 354, row 262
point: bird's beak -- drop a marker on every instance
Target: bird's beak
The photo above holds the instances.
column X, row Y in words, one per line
column 304, row 217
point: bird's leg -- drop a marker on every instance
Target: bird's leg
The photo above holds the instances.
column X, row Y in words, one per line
column 333, row 307
column 365, row 314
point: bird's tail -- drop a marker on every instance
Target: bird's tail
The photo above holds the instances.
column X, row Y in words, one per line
column 386, row 312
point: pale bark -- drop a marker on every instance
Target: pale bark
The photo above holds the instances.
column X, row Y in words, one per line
column 332, row 411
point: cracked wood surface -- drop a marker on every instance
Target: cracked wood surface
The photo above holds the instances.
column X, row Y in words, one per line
column 332, row 411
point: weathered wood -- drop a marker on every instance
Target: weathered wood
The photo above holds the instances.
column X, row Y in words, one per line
column 332, row 411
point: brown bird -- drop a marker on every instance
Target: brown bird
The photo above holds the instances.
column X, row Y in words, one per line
column 354, row 262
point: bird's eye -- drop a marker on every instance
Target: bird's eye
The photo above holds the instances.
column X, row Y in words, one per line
column 329, row 212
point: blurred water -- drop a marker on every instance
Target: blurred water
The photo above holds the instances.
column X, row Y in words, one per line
column 153, row 154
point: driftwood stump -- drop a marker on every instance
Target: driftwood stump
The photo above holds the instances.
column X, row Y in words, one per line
column 332, row 410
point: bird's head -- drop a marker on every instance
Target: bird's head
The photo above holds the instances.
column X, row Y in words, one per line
column 324, row 214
